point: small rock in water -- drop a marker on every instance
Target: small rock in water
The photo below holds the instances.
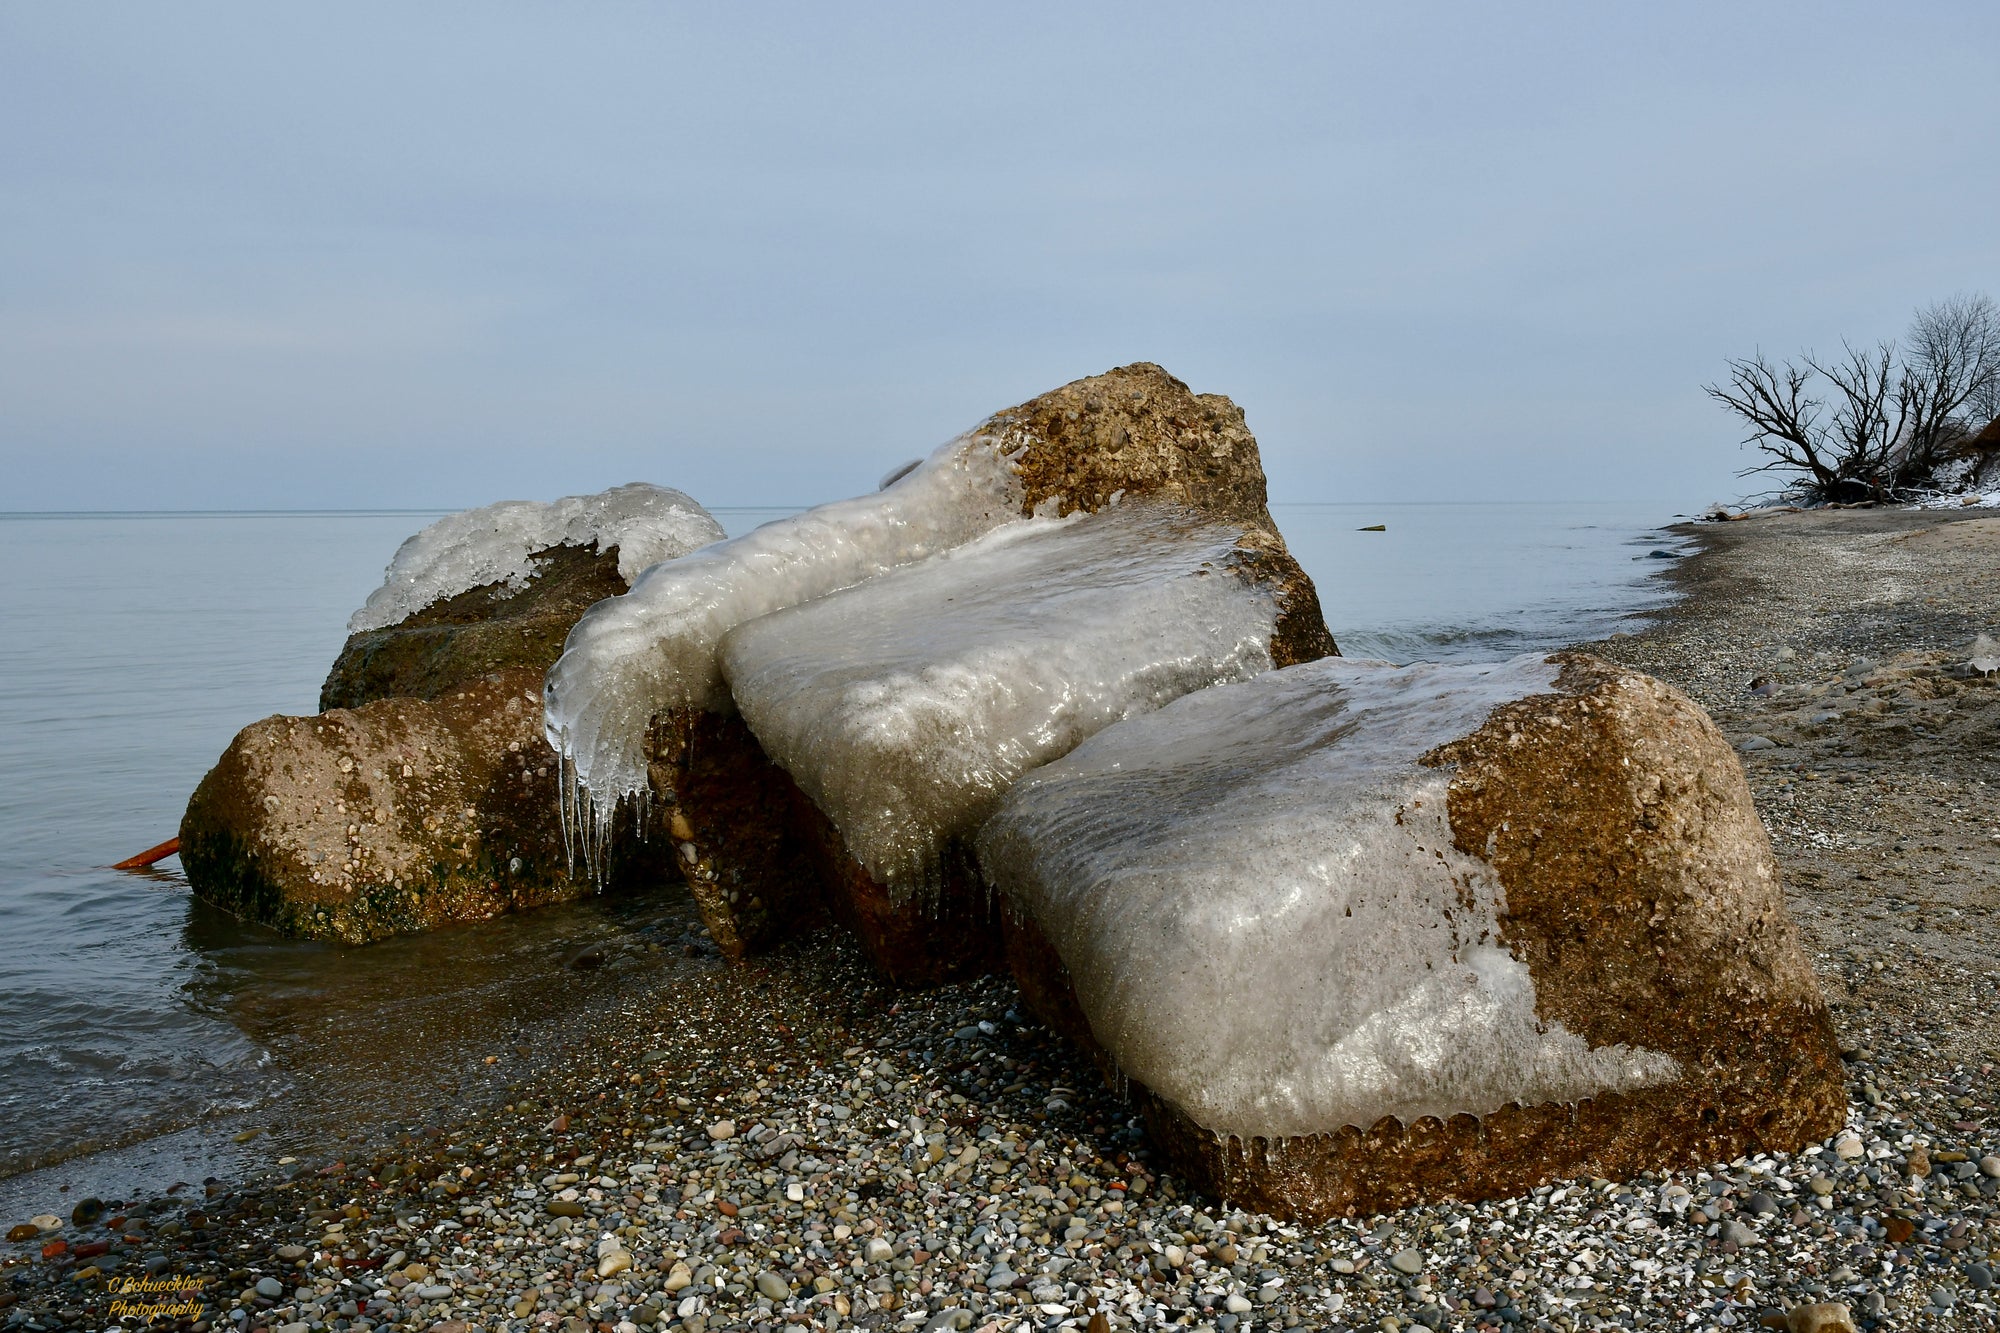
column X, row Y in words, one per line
column 25, row 1231
column 85, row 1214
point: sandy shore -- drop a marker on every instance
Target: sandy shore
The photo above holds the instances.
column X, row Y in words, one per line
column 790, row 1144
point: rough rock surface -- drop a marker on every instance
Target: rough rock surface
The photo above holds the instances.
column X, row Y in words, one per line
column 394, row 817
column 728, row 813
column 1131, row 432
column 480, row 631
column 1641, row 894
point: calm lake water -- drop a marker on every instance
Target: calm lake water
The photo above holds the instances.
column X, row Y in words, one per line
column 135, row 1019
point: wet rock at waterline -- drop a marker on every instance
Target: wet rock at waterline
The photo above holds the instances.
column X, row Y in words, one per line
column 626, row 700
column 397, row 816
column 425, row 792
column 1359, row 935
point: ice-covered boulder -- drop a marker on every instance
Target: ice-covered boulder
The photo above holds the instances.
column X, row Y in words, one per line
column 500, row 587
column 394, row 817
column 1359, row 935
column 905, row 707
column 638, row 702
column 451, row 649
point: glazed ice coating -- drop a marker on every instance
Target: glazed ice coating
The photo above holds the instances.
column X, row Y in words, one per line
column 633, row 658
column 1257, row 897
column 646, row 523
column 908, row 705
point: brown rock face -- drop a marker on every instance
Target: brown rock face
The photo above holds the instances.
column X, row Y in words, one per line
column 729, row 816
column 1139, row 431
column 1641, row 894
column 394, row 817
column 1129, row 433
column 464, row 638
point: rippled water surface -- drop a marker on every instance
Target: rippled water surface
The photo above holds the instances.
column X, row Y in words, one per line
column 136, row 646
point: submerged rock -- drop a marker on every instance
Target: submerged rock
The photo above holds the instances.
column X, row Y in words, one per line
column 640, row 705
column 1360, row 935
column 426, row 791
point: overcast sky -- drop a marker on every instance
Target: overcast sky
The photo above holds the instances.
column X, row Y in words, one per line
column 408, row 256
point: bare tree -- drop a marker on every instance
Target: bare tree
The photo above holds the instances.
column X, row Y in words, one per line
column 1874, row 422
column 1841, row 453
column 1954, row 358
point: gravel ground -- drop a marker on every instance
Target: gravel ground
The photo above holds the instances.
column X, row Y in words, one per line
column 790, row 1144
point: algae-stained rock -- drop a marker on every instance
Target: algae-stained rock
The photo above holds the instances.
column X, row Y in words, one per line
column 500, row 587
column 493, row 627
column 1360, row 935
column 905, row 707
column 646, row 664
column 394, row 817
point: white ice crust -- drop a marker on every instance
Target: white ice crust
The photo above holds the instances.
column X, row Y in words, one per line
column 906, row 707
column 1257, row 896
column 634, row 658
column 646, row 523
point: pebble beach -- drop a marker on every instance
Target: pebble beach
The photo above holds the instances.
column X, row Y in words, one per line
column 790, row 1144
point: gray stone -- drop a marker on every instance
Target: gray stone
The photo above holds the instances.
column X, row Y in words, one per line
column 1407, row 1261
column 949, row 1319
column 1736, row 1231
column 1761, row 1204
column 774, row 1286
column 270, row 1287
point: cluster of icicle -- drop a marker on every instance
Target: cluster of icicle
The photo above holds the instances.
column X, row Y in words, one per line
column 635, row 658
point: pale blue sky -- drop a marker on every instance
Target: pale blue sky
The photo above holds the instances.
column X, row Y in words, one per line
column 436, row 255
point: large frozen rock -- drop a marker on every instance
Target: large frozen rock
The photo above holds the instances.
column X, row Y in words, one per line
column 394, row 817
column 1358, row 935
column 448, row 657
column 905, row 707
column 639, row 696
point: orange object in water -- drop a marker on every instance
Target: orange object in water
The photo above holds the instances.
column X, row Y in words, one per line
column 150, row 855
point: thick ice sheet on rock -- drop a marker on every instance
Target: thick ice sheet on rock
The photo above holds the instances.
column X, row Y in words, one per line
column 1257, row 897
column 646, row 523
column 907, row 706
column 633, row 658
